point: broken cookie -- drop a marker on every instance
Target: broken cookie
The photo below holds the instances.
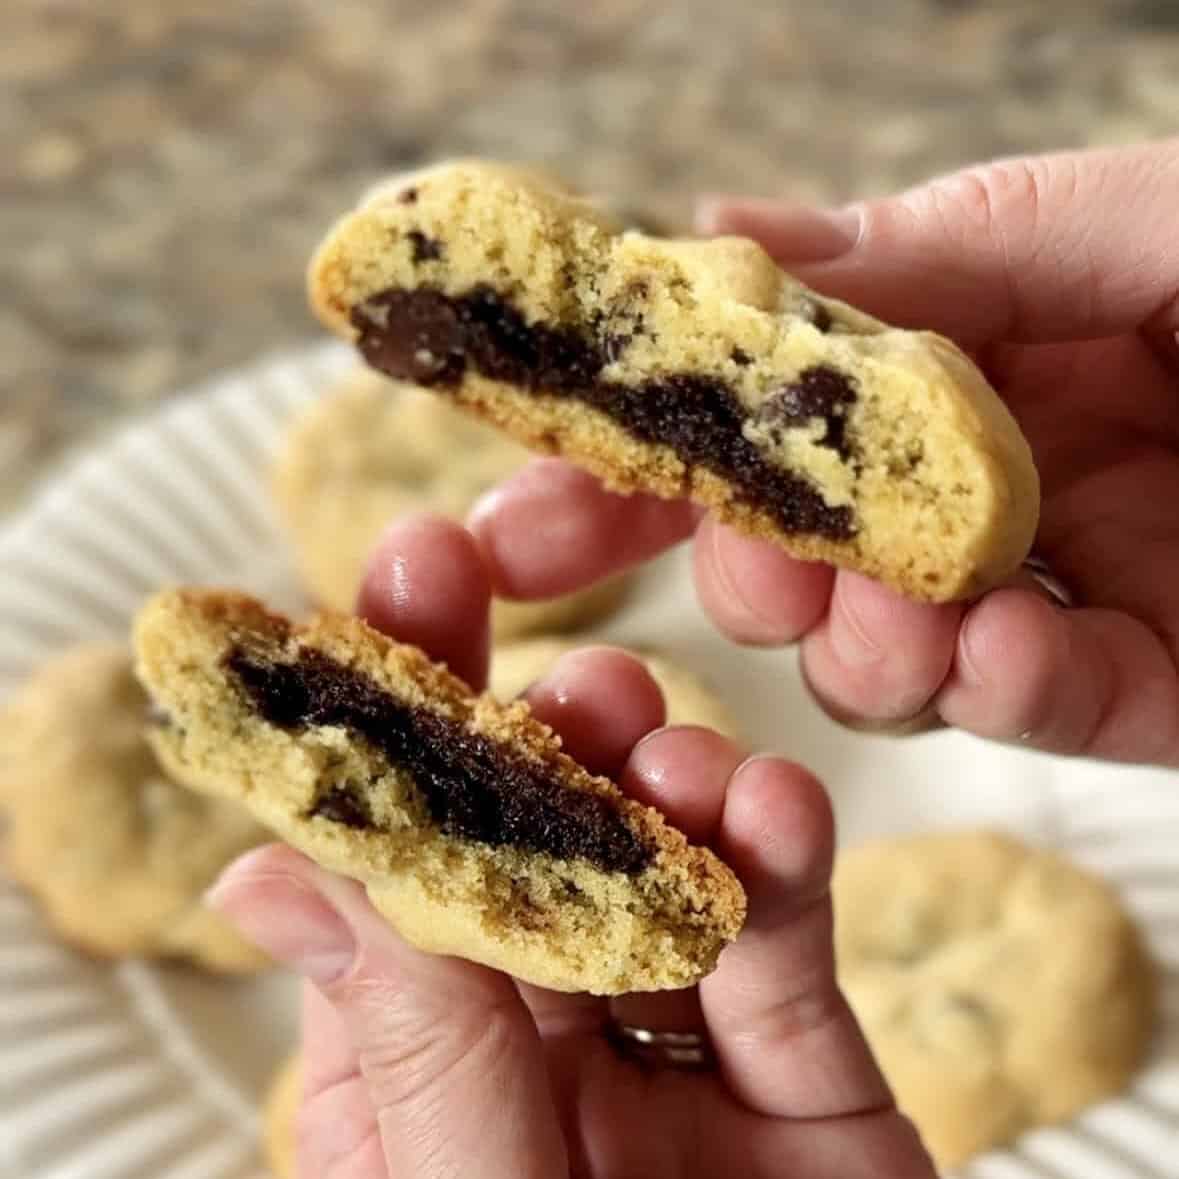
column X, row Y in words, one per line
column 472, row 832
column 686, row 368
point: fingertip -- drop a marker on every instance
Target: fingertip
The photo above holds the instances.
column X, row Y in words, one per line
column 552, row 528
column 1011, row 649
column 682, row 771
column 757, row 594
column 779, row 829
column 427, row 584
column 601, row 701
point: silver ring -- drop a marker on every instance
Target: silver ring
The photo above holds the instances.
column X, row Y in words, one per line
column 683, row 1050
column 1041, row 572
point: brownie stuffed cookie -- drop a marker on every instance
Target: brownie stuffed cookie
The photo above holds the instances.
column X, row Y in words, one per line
column 472, row 832
column 686, row 368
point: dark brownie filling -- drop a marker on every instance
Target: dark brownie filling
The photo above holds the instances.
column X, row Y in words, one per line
column 431, row 338
column 819, row 392
column 473, row 787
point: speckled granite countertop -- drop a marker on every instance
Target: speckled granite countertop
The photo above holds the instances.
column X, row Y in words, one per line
column 168, row 167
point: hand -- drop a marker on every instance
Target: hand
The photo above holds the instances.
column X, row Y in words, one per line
column 428, row 1066
column 1061, row 275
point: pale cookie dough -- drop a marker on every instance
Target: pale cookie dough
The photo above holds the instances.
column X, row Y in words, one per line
column 686, row 368
column 118, row 855
column 1000, row 986
column 472, row 832
column 373, row 449
column 278, row 1117
column 515, row 666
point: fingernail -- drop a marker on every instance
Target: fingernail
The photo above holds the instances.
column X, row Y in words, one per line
column 853, row 645
column 290, row 922
column 798, row 233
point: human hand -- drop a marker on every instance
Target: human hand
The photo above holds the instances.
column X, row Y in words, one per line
column 425, row 1066
column 1060, row 274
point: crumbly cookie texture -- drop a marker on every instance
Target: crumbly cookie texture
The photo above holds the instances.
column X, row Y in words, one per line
column 373, row 449
column 689, row 700
column 117, row 853
column 686, row 368
column 278, row 1117
column 1000, row 986
column 472, row 832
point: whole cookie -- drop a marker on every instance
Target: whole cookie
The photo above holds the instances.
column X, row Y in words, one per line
column 117, row 853
column 689, row 700
column 373, row 449
column 686, row 368
column 278, row 1117
column 472, row 832
column 1000, row 986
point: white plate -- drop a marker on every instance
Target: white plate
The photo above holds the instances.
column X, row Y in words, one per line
column 137, row 1071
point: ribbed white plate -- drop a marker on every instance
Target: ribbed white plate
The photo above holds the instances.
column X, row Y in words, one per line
column 143, row 1072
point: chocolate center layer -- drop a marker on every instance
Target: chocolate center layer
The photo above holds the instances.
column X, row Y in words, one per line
column 432, row 338
column 473, row 787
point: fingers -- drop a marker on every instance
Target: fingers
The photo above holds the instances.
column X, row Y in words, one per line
column 336, row 1131
column 878, row 656
column 785, row 1037
column 426, row 584
column 552, row 528
column 450, row 1057
column 1093, row 682
column 682, row 772
column 1068, row 246
column 601, row 701
column 754, row 592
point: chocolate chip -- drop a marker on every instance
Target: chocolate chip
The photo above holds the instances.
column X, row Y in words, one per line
column 740, row 357
column 425, row 249
column 473, row 787
column 407, row 196
column 341, row 805
column 815, row 313
column 818, row 392
column 426, row 336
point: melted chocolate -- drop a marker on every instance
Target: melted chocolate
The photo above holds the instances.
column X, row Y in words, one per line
column 431, row 338
column 425, row 249
column 473, row 787
column 818, row 393
column 341, row 805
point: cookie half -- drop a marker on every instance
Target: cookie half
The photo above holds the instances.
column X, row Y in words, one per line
column 373, row 449
column 1000, row 986
column 472, row 832
column 118, row 854
column 686, row 368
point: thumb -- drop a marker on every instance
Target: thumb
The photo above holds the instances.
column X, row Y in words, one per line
column 446, row 1049
column 1074, row 245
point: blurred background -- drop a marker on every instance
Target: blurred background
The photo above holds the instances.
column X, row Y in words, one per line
column 169, row 164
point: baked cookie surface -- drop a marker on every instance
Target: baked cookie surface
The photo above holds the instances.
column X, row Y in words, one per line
column 373, row 449
column 689, row 700
column 473, row 834
column 1000, row 986
column 116, row 852
column 686, row 368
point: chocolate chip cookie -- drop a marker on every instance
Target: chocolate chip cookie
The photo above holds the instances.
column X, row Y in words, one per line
column 373, row 449
column 686, row 368
column 1000, row 986
column 117, row 853
column 472, row 832
column 515, row 666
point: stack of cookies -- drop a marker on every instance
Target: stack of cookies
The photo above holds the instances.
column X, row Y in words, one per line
column 499, row 313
